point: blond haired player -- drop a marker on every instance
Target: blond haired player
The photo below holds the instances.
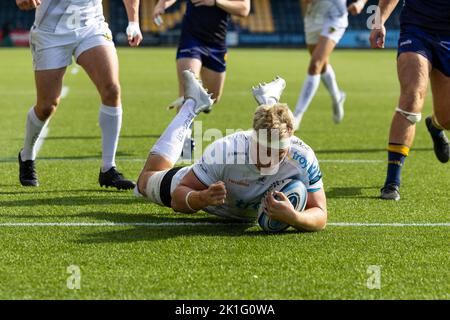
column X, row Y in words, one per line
column 236, row 171
column 76, row 28
column 325, row 24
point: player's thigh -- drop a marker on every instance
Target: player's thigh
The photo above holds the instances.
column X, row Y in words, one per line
column 321, row 54
column 213, row 81
column 440, row 86
column 48, row 89
column 311, row 48
column 413, row 72
column 193, row 64
column 102, row 65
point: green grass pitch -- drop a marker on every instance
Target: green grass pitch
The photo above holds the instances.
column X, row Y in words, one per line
column 218, row 261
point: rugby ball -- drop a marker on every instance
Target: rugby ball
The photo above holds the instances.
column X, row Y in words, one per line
column 297, row 194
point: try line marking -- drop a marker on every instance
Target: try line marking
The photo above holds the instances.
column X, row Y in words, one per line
column 194, row 224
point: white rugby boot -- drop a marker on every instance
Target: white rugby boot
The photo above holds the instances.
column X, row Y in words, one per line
column 193, row 89
column 269, row 93
column 338, row 109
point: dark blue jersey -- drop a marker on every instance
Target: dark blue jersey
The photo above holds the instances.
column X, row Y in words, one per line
column 430, row 15
column 207, row 24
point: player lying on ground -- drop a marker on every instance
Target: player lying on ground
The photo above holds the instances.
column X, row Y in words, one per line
column 325, row 24
column 202, row 47
column 423, row 56
column 62, row 29
column 232, row 177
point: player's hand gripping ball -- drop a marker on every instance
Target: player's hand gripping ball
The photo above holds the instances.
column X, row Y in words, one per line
column 297, row 195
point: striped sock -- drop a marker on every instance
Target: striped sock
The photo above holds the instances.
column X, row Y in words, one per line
column 396, row 158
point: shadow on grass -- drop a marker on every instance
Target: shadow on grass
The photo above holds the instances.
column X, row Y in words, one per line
column 373, row 150
column 98, row 137
column 31, row 191
column 350, row 192
column 223, row 227
column 217, row 227
column 92, row 157
column 72, row 201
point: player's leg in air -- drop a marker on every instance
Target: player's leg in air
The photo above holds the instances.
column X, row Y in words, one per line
column 202, row 47
column 168, row 148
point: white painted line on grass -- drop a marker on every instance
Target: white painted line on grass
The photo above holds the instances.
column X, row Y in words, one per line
column 195, row 224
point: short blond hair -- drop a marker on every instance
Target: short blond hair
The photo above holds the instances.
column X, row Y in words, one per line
column 277, row 117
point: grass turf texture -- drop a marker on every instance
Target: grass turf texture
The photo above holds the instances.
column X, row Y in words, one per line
column 222, row 261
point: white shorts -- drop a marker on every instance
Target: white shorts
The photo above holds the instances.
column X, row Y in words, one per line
column 161, row 185
column 324, row 19
column 55, row 50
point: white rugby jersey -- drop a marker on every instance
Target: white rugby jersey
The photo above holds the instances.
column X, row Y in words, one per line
column 62, row 16
column 244, row 182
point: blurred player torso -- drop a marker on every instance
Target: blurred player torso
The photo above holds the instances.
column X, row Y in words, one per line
column 62, row 16
column 208, row 24
column 320, row 10
column 431, row 15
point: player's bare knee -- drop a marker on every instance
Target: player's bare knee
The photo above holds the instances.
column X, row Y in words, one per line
column 412, row 97
column 316, row 66
column 111, row 94
column 142, row 182
column 46, row 109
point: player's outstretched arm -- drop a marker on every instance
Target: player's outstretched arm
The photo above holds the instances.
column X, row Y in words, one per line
column 191, row 195
column 357, row 7
column 239, row 8
column 134, row 33
column 378, row 34
column 314, row 218
column 28, row 4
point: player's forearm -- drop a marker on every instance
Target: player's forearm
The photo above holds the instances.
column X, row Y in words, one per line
column 235, row 7
column 312, row 219
column 187, row 200
column 386, row 9
column 167, row 3
column 132, row 8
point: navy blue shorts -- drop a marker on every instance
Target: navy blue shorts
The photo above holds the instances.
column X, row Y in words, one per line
column 434, row 47
column 214, row 58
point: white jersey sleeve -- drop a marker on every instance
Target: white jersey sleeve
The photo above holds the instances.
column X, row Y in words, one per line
column 209, row 169
column 303, row 158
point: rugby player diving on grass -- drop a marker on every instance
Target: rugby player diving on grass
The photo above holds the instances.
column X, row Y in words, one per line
column 235, row 172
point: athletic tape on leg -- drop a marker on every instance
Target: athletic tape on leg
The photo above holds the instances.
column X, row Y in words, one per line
column 410, row 116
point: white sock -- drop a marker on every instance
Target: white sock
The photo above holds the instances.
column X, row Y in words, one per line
column 329, row 80
column 271, row 101
column 110, row 120
column 309, row 89
column 34, row 127
column 171, row 142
